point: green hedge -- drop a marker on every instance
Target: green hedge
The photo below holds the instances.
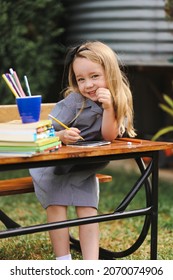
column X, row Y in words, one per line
column 30, row 43
column 169, row 8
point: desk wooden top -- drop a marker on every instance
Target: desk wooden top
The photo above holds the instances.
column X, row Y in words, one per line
column 119, row 146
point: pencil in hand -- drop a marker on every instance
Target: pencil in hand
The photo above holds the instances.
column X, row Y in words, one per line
column 62, row 124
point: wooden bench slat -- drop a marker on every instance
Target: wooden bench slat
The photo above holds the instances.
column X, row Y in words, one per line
column 25, row 184
column 10, row 112
column 103, row 178
column 16, row 186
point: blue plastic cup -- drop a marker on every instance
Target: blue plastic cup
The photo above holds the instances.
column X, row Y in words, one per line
column 29, row 108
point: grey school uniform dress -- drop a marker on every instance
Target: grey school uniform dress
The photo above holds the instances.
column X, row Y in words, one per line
column 69, row 184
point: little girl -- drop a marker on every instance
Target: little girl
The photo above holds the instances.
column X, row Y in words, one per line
column 97, row 106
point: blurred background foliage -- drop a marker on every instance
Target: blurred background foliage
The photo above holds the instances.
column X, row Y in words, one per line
column 30, row 43
column 169, row 8
column 167, row 106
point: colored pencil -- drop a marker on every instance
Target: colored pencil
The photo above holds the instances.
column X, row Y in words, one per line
column 10, row 85
column 27, row 85
column 11, row 79
column 14, row 74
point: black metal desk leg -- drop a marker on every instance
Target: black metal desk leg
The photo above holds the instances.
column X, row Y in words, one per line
column 9, row 223
column 154, row 215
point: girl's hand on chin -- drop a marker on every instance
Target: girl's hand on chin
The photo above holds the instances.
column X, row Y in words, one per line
column 104, row 97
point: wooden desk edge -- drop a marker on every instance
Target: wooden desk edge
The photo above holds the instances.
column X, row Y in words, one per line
column 118, row 146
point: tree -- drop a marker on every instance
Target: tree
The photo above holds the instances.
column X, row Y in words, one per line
column 30, row 33
column 169, row 8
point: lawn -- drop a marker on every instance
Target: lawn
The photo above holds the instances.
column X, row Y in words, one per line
column 114, row 235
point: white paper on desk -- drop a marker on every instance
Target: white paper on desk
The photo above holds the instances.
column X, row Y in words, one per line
column 90, row 143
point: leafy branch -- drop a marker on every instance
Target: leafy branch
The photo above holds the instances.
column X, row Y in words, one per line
column 168, row 108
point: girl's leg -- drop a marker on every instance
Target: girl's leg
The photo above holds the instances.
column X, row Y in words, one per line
column 88, row 234
column 60, row 237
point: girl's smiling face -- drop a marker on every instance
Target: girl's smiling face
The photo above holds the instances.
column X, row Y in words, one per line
column 89, row 77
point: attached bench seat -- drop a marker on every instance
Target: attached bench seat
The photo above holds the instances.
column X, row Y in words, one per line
column 25, row 184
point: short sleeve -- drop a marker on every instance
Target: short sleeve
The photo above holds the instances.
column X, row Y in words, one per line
column 65, row 110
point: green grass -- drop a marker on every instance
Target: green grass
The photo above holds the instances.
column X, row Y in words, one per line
column 114, row 235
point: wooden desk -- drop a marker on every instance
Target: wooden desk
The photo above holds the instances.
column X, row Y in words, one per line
column 119, row 149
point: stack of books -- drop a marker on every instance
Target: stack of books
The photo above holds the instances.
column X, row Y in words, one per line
column 18, row 139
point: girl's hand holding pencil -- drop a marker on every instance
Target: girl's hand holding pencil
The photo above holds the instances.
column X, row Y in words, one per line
column 63, row 125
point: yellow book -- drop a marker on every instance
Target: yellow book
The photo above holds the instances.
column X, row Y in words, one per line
column 37, row 143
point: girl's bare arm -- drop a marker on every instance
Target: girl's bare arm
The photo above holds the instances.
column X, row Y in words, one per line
column 110, row 128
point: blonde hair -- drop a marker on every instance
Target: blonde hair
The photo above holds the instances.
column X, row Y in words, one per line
column 117, row 82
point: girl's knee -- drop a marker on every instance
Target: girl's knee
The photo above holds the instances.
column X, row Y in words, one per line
column 85, row 211
column 56, row 213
